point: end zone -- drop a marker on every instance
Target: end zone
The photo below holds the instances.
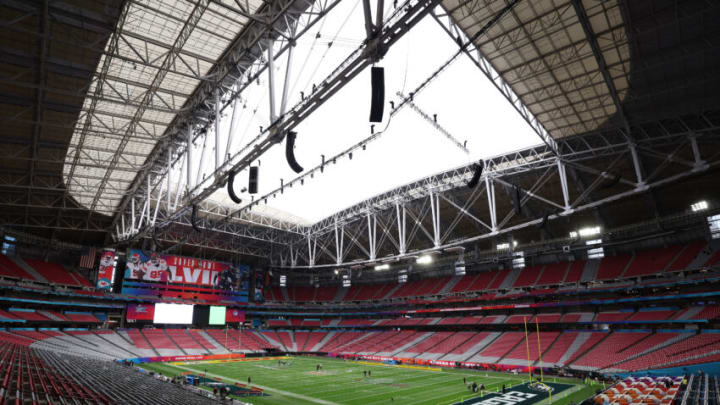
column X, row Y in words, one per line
column 523, row 394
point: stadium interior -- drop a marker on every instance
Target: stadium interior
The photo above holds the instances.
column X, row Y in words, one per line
column 196, row 209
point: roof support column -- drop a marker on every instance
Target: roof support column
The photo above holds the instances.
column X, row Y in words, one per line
column 293, row 256
column 271, row 79
column 699, row 163
column 372, row 235
column 637, row 165
column 564, row 185
column 312, row 247
column 167, row 178
column 369, row 27
column 146, row 207
column 142, row 214
column 189, row 160
column 166, row 187
column 339, row 242
column 201, row 162
column 231, row 130
column 435, row 211
column 217, row 129
column 177, row 187
column 401, row 216
column 490, row 187
column 286, row 85
column 132, row 215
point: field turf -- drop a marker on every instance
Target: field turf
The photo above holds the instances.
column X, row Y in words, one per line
column 342, row 382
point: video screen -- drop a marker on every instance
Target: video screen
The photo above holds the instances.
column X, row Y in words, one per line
column 201, row 314
column 217, row 315
column 173, row 314
column 169, row 269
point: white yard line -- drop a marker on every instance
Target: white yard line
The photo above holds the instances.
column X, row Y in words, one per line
column 406, row 374
column 286, row 393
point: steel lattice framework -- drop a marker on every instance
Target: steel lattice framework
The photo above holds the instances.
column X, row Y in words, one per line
column 407, row 222
column 404, row 17
column 276, row 25
column 571, row 19
column 613, row 98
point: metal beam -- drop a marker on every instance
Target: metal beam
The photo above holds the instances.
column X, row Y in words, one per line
column 168, row 61
column 97, row 94
column 435, row 124
column 400, row 22
column 577, row 153
column 473, row 52
column 239, row 67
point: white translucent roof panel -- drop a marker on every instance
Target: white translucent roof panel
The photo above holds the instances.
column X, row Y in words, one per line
column 96, row 171
column 540, row 49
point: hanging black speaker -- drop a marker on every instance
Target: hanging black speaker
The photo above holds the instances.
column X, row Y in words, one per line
column 612, row 183
column 516, row 197
column 193, row 219
column 231, row 190
column 476, row 175
column 290, row 152
column 377, row 100
column 543, row 224
column 253, row 180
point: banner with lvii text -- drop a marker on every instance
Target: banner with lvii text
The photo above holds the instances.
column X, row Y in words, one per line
column 164, row 268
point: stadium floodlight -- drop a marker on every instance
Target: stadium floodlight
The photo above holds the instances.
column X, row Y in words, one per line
column 585, row 232
column 336, row 272
column 382, row 267
column 699, row 206
column 424, row 259
column 590, row 231
column 506, row 245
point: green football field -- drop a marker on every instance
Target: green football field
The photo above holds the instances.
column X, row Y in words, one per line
column 342, row 382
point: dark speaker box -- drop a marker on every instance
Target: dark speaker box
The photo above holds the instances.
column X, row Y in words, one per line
column 253, row 180
column 377, row 100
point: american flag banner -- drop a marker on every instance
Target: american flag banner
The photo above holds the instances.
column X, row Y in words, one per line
column 87, row 260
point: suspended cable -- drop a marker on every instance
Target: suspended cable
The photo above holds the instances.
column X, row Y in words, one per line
column 307, row 57
column 327, row 50
column 460, row 51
